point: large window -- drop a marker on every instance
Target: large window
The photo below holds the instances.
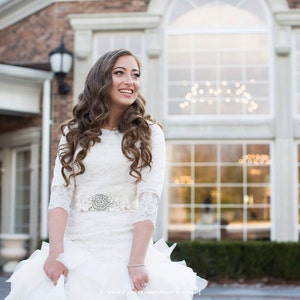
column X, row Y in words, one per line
column 133, row 41
column 218, row 58
column 104, row 42
column 219, row 191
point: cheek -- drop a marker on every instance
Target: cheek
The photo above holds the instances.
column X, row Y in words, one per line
column 137, row 85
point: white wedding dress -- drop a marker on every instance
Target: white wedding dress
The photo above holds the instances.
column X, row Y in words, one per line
column 103, row 205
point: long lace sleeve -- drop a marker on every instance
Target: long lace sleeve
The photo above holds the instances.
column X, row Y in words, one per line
column 153, row 178
column 147, row 209
column 60, row 196
column 150, row 188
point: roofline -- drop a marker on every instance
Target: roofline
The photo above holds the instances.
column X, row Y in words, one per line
column 21, row 72
column 15, row 10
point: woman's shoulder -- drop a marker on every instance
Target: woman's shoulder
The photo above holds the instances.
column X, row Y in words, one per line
column 156, row 129
column 155, row 126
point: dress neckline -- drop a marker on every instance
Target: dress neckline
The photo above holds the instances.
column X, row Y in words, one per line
column 110, row 131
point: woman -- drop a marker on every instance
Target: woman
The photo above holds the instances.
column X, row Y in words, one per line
column 107, row 181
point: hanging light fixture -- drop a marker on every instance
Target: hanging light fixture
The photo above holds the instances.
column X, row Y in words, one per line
column 61, row 62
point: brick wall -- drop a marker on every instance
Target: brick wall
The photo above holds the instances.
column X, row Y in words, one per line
column 294, row 3
column 12, row 123
column 30, row 40
column 28, row 43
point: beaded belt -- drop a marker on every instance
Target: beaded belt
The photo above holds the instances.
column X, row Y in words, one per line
column 101, row 202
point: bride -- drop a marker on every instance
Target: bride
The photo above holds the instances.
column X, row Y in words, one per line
column 107, row 181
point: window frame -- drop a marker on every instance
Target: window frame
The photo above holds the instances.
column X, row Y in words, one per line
column 225, row 118
column 218, row 226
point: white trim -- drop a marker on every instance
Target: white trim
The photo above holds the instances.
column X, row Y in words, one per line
column 25, row 73
column 114, row 21
column 32, row 134
column 45, row 176
column 277, row 5
column 16, row 10
column 158, row 6
column 288, row 18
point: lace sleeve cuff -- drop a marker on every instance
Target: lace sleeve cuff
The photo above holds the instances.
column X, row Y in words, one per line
column 147, row 208
column 60, row 197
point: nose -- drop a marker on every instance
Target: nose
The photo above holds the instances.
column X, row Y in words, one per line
column 128, row 79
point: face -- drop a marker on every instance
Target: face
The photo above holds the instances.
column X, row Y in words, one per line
column 125, row 82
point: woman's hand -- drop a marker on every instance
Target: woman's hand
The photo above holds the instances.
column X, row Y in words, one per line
column 139, row 277
column 54, row 269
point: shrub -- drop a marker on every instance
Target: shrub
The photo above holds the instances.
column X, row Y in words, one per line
column 241, row 260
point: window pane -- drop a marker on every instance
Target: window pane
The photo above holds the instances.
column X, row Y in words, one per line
column 203, row 74
column 179, row 58
column 205, row 196
column 22, row 192
column 179, row 195
column 230, row 215
column 205, row 153
column 258, row 174
column 180, row 175
column 177, row 91
column 205, row 174
column 231, row 152
column 179, row 152
column 258, row 195
column 179, row 215
column 179, row 74
column 231, row 73
column 205, row 58
column 258, row 214
column 231, row 195
column 261, row 233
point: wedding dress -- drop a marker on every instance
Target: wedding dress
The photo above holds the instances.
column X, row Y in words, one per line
column 103, row 204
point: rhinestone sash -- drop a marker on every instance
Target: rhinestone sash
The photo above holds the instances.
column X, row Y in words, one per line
column 101, row 202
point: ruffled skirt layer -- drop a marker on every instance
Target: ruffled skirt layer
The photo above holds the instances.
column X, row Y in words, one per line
column 98, row 268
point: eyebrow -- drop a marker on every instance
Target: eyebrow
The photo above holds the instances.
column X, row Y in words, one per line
column 125, row 69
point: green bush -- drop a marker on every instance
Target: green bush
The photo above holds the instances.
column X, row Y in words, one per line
column 241, row 260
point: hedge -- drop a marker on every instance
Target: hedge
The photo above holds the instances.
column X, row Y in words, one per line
column 241, row 260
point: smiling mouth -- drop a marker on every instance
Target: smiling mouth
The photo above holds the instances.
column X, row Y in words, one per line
column 126, row 91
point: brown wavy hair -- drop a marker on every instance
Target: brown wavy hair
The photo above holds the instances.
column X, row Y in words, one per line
column 91, row 114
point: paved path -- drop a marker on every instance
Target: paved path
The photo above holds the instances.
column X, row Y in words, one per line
column 218, row 292
column 253, row 292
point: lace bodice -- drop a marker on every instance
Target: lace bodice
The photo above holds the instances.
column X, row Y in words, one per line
column 106, row 184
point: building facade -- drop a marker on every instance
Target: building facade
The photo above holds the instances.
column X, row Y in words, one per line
column 222, row 76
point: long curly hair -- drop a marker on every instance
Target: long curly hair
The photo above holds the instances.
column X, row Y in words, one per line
column 90, row 115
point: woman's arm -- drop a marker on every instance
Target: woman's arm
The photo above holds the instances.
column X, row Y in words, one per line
column 149, row 191
column 137, row 271
column 57, row 220
column 59, row 205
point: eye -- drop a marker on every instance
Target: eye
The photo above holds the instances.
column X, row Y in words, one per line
column 118, row 72
column 136, row 75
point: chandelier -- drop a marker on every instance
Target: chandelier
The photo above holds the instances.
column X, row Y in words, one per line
column 255, row 159
column 228, row 94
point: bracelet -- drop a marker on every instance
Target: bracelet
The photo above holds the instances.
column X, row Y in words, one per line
column 133, row 266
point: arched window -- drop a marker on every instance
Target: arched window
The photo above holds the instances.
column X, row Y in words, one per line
column 218, row 55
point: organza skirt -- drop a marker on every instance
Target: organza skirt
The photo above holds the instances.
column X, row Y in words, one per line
column 96, row 252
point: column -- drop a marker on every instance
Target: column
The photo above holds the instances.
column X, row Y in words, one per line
column 284, row 200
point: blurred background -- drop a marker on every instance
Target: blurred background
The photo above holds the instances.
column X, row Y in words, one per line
column 222, row 77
